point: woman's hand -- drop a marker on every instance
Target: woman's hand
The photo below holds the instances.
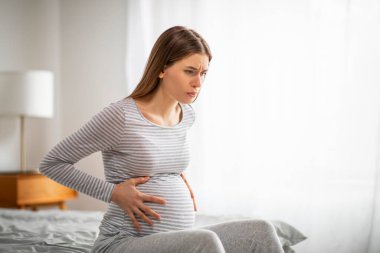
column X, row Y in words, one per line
column 132, row 200
column 191, row 191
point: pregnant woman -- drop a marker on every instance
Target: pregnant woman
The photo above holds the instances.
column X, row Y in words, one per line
column 144, row 147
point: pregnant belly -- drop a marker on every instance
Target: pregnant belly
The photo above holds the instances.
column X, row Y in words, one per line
column 176, row 214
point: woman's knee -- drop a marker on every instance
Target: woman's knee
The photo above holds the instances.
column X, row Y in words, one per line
column 265, row 225
column 262, row 230
column 266, row 237
column 208, row 241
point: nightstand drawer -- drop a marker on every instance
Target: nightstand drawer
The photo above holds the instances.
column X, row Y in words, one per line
column 32, row 189
column 40, row 189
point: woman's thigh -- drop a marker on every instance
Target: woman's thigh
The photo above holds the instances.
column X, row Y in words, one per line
column 184, row 241
column 247, row 236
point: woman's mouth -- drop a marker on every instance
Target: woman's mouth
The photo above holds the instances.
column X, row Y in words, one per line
column 192, row 94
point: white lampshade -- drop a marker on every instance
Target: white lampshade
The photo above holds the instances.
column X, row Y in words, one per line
column 27, row 93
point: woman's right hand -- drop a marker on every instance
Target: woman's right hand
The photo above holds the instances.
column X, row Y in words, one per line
column 132, row 200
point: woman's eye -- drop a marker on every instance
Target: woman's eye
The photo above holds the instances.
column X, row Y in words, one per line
column 203, row 75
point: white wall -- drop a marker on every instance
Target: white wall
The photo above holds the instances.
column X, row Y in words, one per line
column 83, row 43
column 93, row 70
column 29, row 39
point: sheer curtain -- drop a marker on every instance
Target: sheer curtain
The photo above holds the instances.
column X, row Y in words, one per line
column 288, row 121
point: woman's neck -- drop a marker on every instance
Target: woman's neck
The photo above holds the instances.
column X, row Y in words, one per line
column 161, row 107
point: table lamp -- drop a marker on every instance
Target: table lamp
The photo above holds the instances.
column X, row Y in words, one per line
column 26, row 94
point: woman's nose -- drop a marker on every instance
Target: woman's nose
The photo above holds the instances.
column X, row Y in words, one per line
column 198, row 81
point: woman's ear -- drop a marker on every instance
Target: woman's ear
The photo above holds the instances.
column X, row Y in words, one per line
column 161, row 75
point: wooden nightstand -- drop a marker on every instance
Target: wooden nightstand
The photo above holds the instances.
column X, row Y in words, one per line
column 32, row 189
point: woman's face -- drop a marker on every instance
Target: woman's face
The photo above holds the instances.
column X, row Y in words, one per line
column 183, row 80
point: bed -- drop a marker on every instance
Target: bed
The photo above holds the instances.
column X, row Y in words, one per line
column 75, row 231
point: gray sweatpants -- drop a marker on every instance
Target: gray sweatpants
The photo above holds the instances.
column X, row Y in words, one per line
column 231, row 237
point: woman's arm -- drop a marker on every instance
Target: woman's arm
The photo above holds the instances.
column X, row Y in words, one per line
column 102, row 132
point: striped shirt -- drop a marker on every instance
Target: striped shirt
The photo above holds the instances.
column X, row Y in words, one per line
column 131, row 146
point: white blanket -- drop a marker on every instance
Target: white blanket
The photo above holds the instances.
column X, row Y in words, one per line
column 75, row 231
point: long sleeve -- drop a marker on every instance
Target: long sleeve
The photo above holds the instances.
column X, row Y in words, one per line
column 102, row 132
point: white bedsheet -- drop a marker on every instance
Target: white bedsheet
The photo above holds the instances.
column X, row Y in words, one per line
column 47, row 231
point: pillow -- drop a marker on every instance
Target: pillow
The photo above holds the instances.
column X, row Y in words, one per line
column 287, row 234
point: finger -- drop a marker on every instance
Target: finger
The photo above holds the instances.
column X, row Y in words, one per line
column 150, row 211
column 190, row 190
column 142, row 216
column 133, row 219
column 183, row 177
column 150, row 198
column 139, row 180
column 185, row 180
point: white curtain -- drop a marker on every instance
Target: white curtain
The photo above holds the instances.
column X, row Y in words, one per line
column 288, row 122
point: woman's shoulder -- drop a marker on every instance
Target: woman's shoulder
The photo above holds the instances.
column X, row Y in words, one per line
column 121, row 104
column 122, row 101
column 114, row 109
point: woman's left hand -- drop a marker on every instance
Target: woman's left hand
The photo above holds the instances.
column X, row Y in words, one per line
column 191, row 191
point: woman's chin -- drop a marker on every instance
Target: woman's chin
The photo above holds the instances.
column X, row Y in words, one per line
column 187, row 100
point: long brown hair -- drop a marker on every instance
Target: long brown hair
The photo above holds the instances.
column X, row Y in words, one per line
column 173, row 45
